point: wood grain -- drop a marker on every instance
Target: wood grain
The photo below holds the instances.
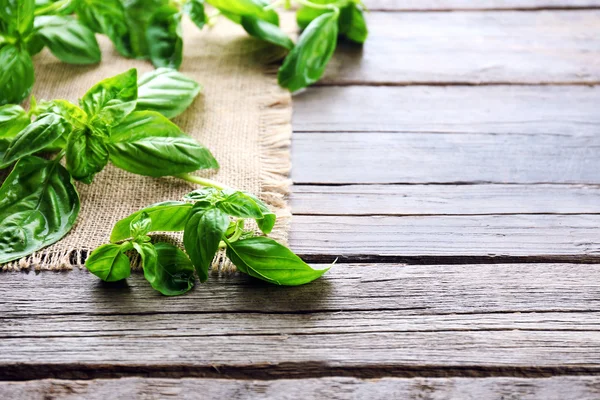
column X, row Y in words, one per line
column 437, row 5
column 415, row 289
column 403, row 200
column 369, row 321
column 522, row 110
column 424, row 239
column 545, row 47
column 556, row 388
column 243, row 325
column 354, row 158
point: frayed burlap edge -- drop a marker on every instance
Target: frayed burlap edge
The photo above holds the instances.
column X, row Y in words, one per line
column 275, row 138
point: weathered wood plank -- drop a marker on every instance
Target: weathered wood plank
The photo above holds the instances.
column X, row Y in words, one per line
column 351, row 158
column 559, row 110
column 354, row 354
column 380, row 320
column 441, row 239
column 555, row 388
column 473, row 48
column 437, row 5
column 416, row 290
column 241, row 325
column 444, row 200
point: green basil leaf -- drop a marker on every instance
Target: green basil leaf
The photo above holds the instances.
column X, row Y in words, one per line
column 16, row 74
column 35, row 137
column 138, row 15
column 265, row 259
column 149, row 260
column 101, row 15
column 207, row 195
column 176, row 271
column 140, row 225
column 305, row 15
column 147, row 143
column 267, row 222
column 356, row 29
column 166, row 91
column 167, row 268
column 18, row 14
column 13, row 119
column 307, row 61
column 109, row 263
column 168, row 216
column 55, row 7
column 74, row 115
column 201, row 237
column 68, row 39
column 351, row 22
column 239, row 204
column 112, row 99
column 38, row 205
column 235, row 9
column 86, row 154
column 266, row 31
column 108, row 17
column 195, row 10
column 164, row 36
column 4, row 144
column 34, row 44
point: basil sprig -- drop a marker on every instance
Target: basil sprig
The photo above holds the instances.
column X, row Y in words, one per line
column 216, row 219
column 23, row 34
column 38, row 201
column 166, row 267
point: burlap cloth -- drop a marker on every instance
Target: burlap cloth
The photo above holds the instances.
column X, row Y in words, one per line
column 241, row 115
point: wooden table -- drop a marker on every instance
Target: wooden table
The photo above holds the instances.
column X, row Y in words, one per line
column 453, row 167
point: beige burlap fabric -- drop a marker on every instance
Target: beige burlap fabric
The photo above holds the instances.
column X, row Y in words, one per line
column 241, row 115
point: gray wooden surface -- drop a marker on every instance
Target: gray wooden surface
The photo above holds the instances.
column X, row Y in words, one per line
column 400, row 158
column 477, row 47
column 556, row 388
column 430, row 200
column 452, row 168
column 361, row 320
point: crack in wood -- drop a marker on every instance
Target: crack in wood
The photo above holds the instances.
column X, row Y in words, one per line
column 287, row 370
column 451, row 260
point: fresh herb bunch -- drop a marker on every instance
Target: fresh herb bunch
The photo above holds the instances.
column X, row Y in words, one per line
column 151, row 29
column 322, row 22
column 215, row 220
column 117, row 120
column 23, row 34
column 141, row 29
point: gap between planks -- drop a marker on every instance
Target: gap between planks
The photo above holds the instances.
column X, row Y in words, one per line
column 275, row 371
column 360, row 83
column 489, row 9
